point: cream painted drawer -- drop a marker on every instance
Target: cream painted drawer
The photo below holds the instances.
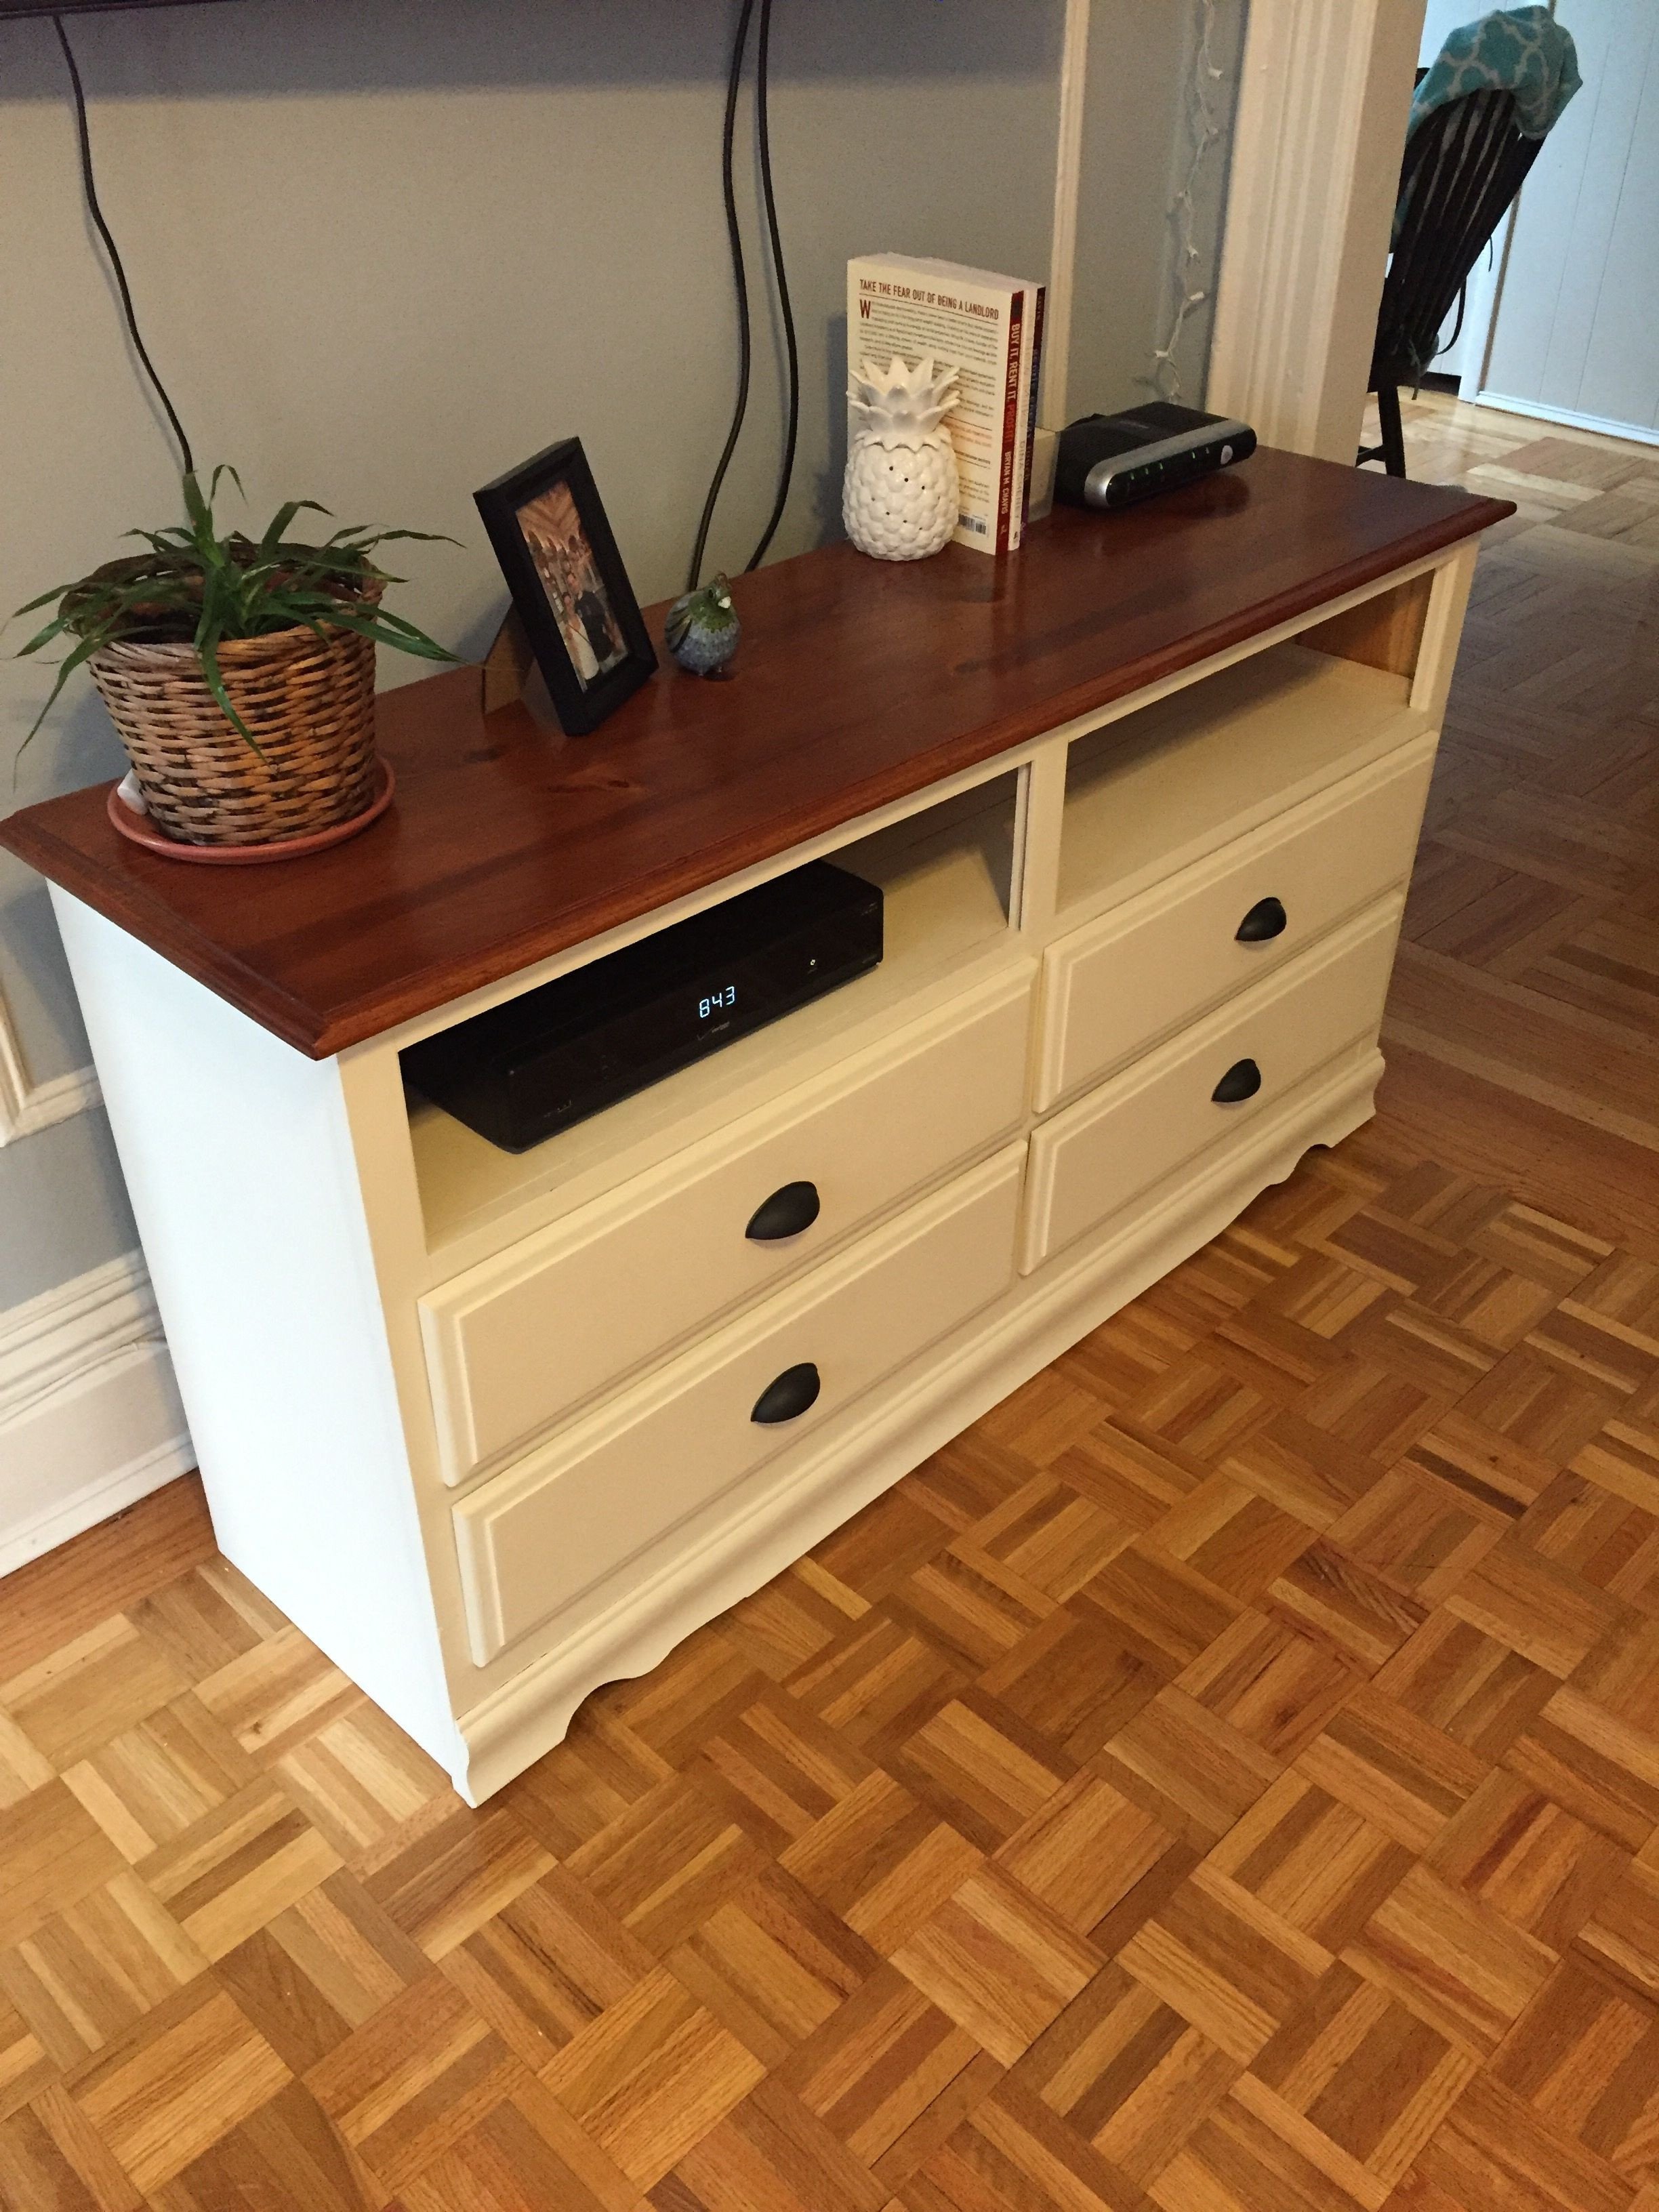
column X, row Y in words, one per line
column 514, row 1342
column 1100, row 1153
column 536, row 1537
column 1150, row 966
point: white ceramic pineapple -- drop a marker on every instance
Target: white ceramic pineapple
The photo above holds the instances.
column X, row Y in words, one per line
column 899, row 495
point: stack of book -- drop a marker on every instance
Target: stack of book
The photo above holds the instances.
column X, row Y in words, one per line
column 989, row 328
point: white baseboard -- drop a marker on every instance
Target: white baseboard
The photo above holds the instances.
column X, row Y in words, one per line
column 89, row 1414
column 1641, row 434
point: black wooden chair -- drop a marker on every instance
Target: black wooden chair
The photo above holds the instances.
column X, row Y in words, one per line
column 1463, row 166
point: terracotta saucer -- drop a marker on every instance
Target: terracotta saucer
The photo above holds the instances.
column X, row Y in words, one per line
column 138, row 829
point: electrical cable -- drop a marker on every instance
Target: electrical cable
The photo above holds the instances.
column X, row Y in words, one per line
column 740, row 282
column 792, row 420
column 89, row 187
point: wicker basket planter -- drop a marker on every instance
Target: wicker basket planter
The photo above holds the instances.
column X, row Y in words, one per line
column 308, row 701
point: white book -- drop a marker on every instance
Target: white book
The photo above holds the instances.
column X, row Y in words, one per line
column 984, row 326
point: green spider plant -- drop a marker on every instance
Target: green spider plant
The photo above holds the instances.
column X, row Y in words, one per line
column 197, row 586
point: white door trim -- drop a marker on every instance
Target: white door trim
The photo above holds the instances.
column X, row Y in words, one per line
column 1325, row 89
column 25, row 1107
column 1062, row 255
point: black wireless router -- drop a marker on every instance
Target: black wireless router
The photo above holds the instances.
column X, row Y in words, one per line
column 1112, row 461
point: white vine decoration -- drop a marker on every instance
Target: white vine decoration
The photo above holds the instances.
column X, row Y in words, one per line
column 1204, row 130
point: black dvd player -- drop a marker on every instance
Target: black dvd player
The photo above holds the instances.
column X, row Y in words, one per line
column 522, row 1071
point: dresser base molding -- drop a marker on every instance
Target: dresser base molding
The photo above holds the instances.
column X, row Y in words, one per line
column 993, row 1355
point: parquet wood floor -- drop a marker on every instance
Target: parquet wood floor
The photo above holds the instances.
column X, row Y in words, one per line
column 1225, row 1780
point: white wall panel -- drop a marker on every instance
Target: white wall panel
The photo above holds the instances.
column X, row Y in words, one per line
column 1576, row 317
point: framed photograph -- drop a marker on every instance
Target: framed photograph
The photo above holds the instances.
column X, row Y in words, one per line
column 568, row 584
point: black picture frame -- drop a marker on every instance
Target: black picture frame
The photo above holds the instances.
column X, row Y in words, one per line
column 554, row 543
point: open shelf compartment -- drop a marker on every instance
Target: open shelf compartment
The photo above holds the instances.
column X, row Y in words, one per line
column 1146, row 794
column 947, row 876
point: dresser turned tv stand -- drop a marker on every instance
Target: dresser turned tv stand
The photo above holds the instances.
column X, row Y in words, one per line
column 495, row 1428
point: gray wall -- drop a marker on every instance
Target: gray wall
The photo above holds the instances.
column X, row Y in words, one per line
column 384, row 249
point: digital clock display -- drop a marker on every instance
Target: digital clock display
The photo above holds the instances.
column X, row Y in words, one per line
column 717, row 1002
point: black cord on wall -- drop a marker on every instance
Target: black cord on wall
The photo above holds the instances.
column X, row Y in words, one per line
column 740, row 284
column 792, row 417
column 90, row 188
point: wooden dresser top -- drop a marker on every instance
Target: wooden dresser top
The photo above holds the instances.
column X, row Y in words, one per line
column 858, row 681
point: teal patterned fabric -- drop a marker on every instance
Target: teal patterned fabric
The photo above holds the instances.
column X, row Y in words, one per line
column 1519, row 50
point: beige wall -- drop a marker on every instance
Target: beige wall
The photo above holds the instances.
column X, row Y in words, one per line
column 384, row 249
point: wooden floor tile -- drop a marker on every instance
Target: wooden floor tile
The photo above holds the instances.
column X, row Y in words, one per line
column 54, row 1854
column 238, row 1867
column 206, row 1618
column 1253, row 2152
column 51, row 2156
column 650, row 2077
column 1224, row 1779
column 91, row 1690
column 771, row 2150
column 582, row 1785
column 1013, row 2154
column 981, row 1769
column 880, row 2063
column 1544, row 1612
column 1078, row 1678
column 1190, row 1769
column 544, row 1966
column 776, row 1769
column 284, row 2157
column 411, row 2081
column 1311, row 1862
column 1084, row 1849
column 151, row 1785
column 1582, row 2057
column 26, row 2066
column 97, row 1967
column 359, row 1780
column 772, row 1963
column 998, row 1960
column 277, row 1695
column 1594, row 1765
column 523, row 2154
column 1452, row 1959
column 175, row 2083
column 320, row 1969
column 1543, row 1869
column 55, row 1599
column 456, row 1875
column 881, row 1860
column 1128, row 2073
column 1494, row 2153
column 1365, row 2072
column 1230, row 1965
column 661, row 1868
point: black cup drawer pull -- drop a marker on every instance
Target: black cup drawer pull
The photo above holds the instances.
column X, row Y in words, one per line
column 1241, row 1081
column 788, row 1396
column 786, row 1214
column 1266, row 919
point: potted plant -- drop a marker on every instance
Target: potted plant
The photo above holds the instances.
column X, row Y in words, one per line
column 239, row 672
